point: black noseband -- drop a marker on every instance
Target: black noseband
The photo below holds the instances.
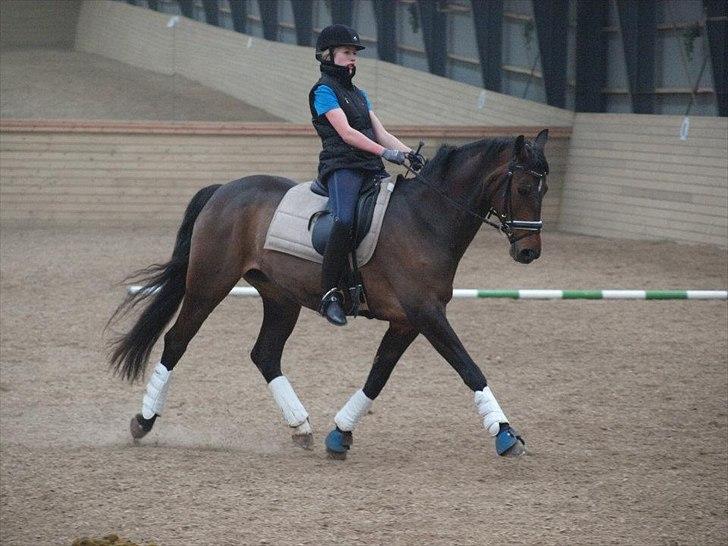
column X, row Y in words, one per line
column 507, row 224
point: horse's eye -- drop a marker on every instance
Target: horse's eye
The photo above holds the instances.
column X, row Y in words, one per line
column 523, row 190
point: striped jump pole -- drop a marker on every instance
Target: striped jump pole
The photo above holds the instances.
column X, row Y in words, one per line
column 528, row 294
column 593, row 294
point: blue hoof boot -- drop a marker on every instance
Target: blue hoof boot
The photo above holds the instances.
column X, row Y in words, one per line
column 338, row 443
column 508, row 443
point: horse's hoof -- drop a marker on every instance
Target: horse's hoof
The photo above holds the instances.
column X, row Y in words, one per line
column 336, row 456
column 516, row 450
column 139, row 426
column 304, row 441
column 508, row 443
column 338, row 443
column 303, row 435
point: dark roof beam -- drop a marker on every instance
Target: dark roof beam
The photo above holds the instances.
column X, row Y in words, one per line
column 303, row 19
column 269, row 18
column 434, row 32
column 552, row 27
column 717, row 28
column 341, row 12
column 591, row 56
column 488, row 23
column 637, row 22
column 239, row 15
column 212, row 12
column 385, row 13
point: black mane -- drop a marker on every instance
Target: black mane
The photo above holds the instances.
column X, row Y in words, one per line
column 447, row 153
column 492, row 148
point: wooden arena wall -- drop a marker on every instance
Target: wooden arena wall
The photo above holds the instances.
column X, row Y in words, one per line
column 631, row 176
column 277, row 76
column 66, row 172
column 622, row 176
column 38, row 23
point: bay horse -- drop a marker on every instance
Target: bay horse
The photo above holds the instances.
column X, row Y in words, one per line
column 431, row 220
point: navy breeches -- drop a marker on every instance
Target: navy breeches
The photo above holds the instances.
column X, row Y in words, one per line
column 344, row 186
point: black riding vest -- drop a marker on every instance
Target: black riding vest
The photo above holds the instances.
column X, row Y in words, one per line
column 335, row 153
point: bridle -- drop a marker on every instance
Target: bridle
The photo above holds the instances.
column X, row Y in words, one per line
column 507, row 225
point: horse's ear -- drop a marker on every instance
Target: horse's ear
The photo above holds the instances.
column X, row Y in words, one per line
column 541, row 138
column 518, row 146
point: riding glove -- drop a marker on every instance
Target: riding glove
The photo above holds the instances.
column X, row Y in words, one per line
column 394, row 156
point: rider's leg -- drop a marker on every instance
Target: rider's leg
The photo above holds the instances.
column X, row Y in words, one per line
column 344, row 186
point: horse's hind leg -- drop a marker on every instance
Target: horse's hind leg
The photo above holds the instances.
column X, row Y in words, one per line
column 279, row 318
column 393, row 345
column 197, row 305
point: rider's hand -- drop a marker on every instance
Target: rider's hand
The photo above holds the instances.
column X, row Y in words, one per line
column 417, row 161
column 394, row 156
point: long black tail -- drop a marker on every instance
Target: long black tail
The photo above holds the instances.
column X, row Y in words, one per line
column 163, row 290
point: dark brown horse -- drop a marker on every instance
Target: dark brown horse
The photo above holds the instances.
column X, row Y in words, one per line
column 431, row 220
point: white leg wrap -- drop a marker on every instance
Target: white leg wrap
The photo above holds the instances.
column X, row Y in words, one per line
column 156, row 393
column 490, row 410
column 356, row 408
column 304, row 428
column 293, row 411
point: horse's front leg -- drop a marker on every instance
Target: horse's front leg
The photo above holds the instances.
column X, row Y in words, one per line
column 431, row 321
column 394, row 343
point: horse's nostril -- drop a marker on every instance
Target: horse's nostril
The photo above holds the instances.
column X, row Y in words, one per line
column 527, row 255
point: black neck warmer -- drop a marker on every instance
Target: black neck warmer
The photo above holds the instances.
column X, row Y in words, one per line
column 341, row 73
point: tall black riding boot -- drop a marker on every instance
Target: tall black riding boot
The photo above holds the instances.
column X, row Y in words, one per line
column 334, row 258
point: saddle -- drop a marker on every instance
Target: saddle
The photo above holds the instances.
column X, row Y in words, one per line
column 302, row 222
column 323, row 221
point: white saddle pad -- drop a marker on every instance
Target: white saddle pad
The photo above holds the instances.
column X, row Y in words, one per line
column 288, row 231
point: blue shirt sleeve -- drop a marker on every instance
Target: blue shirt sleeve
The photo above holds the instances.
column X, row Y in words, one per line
column 324, row 100
column 366, row 98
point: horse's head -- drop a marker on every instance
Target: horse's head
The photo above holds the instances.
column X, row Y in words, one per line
column 520, row 189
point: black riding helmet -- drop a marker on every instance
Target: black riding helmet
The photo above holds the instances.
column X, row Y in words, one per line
column 335, row 36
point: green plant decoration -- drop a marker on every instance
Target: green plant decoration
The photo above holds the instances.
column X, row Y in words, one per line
column 689, row 35
column 528, row 33
column 414, row 18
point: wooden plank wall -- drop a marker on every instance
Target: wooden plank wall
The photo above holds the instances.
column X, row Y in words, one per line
column 630, row 176
column 57, row 173
column 277, row 77
column 38, row 23
column 85, row 178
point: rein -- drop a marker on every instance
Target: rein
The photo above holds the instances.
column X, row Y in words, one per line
column 506, row 226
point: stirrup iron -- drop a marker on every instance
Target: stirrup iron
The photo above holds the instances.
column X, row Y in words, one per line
column 333, row 297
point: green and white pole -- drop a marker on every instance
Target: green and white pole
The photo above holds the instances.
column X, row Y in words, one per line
column 593, row 294
column 528, row 294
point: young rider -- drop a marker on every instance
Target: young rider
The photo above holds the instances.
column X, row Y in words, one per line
column 354, row 142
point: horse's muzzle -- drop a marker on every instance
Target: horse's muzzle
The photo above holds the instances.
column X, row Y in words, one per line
column 525, row 255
